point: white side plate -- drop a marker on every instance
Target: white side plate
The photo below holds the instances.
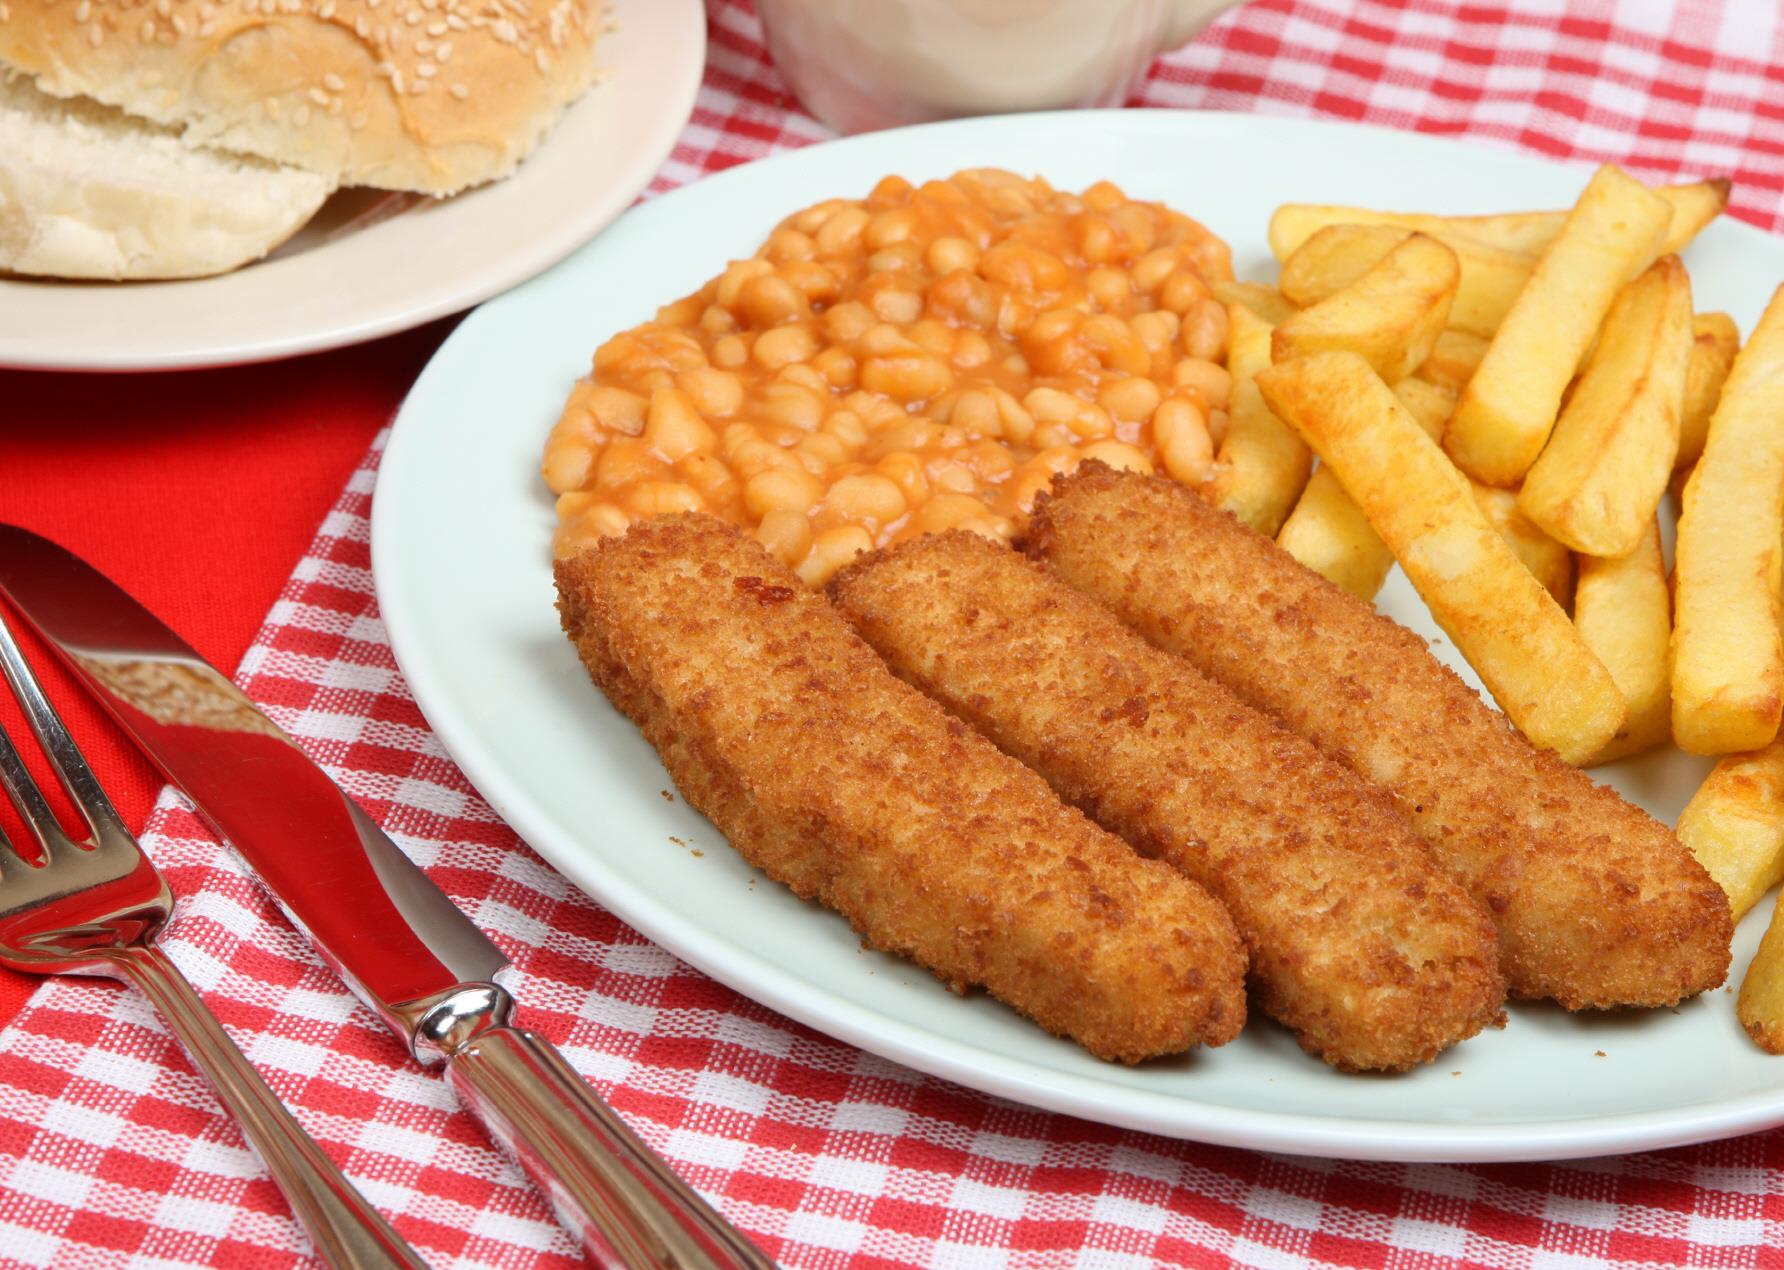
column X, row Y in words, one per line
column 373, row 263
column 460, row 538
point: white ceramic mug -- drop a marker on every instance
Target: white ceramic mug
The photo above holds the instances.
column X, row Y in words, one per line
column 859, row 65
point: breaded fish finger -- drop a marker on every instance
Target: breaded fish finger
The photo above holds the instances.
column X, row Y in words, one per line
column 1359, row 943
column 833, row 777
column 1597, row 903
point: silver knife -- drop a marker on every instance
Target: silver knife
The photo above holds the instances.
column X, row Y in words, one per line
column 396, row 940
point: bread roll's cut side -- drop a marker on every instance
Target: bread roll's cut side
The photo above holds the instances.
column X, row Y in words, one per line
column 88, row 192
column 423, row 95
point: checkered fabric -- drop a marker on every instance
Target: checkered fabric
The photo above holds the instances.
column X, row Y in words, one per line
column 112, row 1153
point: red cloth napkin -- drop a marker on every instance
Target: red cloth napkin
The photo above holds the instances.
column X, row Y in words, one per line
column 112, row 1154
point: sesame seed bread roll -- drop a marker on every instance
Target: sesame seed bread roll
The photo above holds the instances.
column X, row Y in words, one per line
column 424, row 95
column 1359, row 944
column 1597, row 903
column 86, row 191
column 850, row 787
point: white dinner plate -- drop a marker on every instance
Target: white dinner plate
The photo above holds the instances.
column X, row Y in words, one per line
column 460, row 541
column 372, row 263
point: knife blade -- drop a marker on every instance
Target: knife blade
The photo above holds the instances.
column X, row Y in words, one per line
column 395, row 938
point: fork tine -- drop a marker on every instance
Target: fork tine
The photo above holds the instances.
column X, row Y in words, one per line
column 58, row 747
column 29, row 801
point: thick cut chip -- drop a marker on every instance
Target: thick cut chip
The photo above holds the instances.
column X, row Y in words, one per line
column 1263, row 463
column 1328, row 532
column 1715, row 341
column 1454, row 359
column 1267, row 303
column 1391, row 316
column 1760, row 1007
column 1551, row 562
column 1734, row 825
column 1506, row 412
column 1728, row 663
column 1602, row 476
column 1693, row 206
column 1509, row 628
column 1623, row 610
column 1338, row 255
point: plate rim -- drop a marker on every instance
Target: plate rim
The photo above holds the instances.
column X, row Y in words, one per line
column 680, row 88
column 755, row 978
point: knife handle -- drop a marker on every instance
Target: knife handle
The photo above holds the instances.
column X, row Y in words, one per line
column 624, row 1203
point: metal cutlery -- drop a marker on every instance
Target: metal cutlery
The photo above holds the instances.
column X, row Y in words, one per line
column 396, row 940
column 97, row 907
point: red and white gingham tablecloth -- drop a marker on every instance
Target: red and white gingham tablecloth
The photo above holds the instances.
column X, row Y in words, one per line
column 112, row 1153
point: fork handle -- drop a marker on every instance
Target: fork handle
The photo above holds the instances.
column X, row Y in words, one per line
column 625, row 1204
column 348, row 1232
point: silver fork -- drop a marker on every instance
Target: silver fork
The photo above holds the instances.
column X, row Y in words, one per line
column 96, row 907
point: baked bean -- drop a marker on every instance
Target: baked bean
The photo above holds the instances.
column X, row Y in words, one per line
column 867, row 499
column 784, row 344
column 771, row 300
column 790, row 489
column 917, row 360
column 830, row 551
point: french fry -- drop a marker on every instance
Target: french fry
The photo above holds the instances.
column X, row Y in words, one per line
column 1728, row 661
column 1329, row 534
column 1266, row 302
column 1506, row 411
column 1338, row 255
column 1390, row 316
column 1760, row 1005
column 1605, row 468
column 1454, row 359
column 1693, row 205
column 1734, row 825
column 1429, row 403
column 1263, row 463
column 1623, row 610
column 1550, row 562
column 1715, row 341
column 1499, row 616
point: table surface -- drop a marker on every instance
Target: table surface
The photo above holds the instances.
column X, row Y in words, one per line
column 203, row 492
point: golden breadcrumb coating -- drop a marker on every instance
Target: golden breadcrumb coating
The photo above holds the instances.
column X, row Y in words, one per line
column 1596, row 902
column 833, row 777
column 1358, row 942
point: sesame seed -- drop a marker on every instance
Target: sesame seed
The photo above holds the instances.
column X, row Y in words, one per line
column 319, row 97
column 206, row 12
column 301, row 116
column 457, row 23
column 413, row 17
column 396, row 81
column 541, row 61
column 443, row 54
column 459, row 91
column 504, row 31
column 327, row 10
column 95, row 36
column 83, row 11
column 164, row 8
column 361, row 27
column 358, row 121
column 333, row 82
column 5, row 14
column 437, row 28
column 427, row 70
column 373, row 4
column 148, row 29
column 180, row 25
